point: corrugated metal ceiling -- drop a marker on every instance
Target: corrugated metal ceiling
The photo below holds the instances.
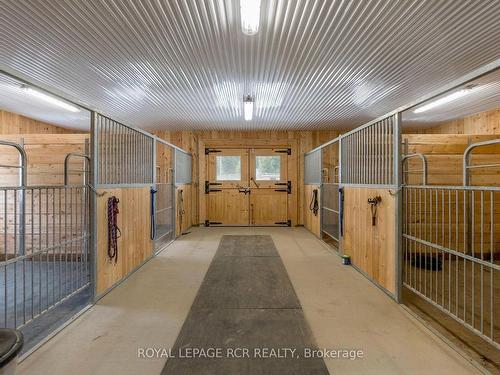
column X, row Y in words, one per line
column 484, row 96
column 187, row 65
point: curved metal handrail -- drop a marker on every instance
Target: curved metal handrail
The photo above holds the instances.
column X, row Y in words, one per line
column 22, row 165
column 466, row 159
column 424, row 165
column 85, row 165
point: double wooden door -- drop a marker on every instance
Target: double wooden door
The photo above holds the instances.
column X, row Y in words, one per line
column 247, row 187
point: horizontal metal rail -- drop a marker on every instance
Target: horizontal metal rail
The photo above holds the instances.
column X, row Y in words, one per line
column 55, row 261
column 451, row 244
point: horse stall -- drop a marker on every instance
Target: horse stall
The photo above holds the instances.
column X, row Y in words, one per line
column 44, row 225
column 356, row 177
column 137, row 181
column 451, row 227
column 80, row 211
column 413, row 201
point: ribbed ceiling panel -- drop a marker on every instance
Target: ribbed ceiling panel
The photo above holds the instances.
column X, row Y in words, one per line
column 484, row 96
column 186, row 64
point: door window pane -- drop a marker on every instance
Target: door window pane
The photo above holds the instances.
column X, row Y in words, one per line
column 268, row 168
column 228, row 168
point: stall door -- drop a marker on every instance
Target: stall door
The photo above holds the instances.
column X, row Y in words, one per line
column 227, row 187
column 269, row 187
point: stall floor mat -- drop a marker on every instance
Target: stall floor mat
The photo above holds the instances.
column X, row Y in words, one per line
column 246, row 317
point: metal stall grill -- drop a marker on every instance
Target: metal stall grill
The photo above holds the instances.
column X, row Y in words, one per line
column 124, row 155
column 44, row 239
column 312, row 168
column 183, row 167
column 451, row 244
column 368, row 154
column 330, row 205
column 164, row 212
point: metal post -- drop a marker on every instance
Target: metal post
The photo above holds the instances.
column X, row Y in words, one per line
column 94, row 180
column 398, row 206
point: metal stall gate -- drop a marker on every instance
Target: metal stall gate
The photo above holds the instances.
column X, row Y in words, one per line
column 164, row 196
column 183, row 180
column 370, row 181
column 44, row 237
column 330, row 194
column 451, row 249
column 312, row 186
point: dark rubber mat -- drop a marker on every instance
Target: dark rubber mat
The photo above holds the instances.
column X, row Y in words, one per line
column 246, row 282
column 247, row 246
column 246, row 318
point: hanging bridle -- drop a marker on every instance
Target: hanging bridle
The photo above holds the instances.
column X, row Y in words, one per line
column 113, row 230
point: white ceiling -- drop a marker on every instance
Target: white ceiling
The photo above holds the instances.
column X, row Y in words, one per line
column 186, row 64
column 484, row 96
column 14, row 99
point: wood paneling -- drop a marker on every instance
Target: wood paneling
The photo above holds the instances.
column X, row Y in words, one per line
column 299, row 141
column 372, row 248
column 444, row 154
column 12, row 123
column 487, row 122
column 311, row 221
column 183, row 221
column 45, row 153
column 134, row 245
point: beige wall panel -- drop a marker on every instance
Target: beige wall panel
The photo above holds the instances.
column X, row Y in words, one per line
column 134, row 245
column 371, row 248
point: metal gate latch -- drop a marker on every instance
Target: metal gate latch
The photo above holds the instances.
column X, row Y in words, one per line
column 373, row 202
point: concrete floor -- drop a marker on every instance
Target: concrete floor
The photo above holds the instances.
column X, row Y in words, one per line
column 343, row 309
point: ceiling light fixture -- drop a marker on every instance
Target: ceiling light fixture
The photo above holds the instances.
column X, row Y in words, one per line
column 250, row 16
column 445, row 99
column 50, row 99
column 248, row 107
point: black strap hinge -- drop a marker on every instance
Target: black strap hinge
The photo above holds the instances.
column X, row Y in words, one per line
column 209, row 150
column 288, row 151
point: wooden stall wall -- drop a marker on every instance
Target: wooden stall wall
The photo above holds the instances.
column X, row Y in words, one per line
column 371, row 247
column 13, row 123
column 45, row 154
column 311, row 221
column 192, row 141
column 134, row 244
column 444, row 154
column 183, row 220
column 487, row 122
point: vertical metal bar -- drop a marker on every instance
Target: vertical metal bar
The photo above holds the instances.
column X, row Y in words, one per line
column 14, row 284
column 450, row 233
column 40, row 250
column 482, row 268
column 473, row 252
column 47, row 246
column 398, row 203
column 5, row 242
column 492, row 259
column 437, row 241
column 54, row 245
column 32, row 215
column 95, row 159
column 457, row 242
column 465, row 251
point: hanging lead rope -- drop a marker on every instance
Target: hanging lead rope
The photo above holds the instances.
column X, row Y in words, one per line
column 153, row 213
column 181, row 210
column 314, row 205
column 113, row 230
